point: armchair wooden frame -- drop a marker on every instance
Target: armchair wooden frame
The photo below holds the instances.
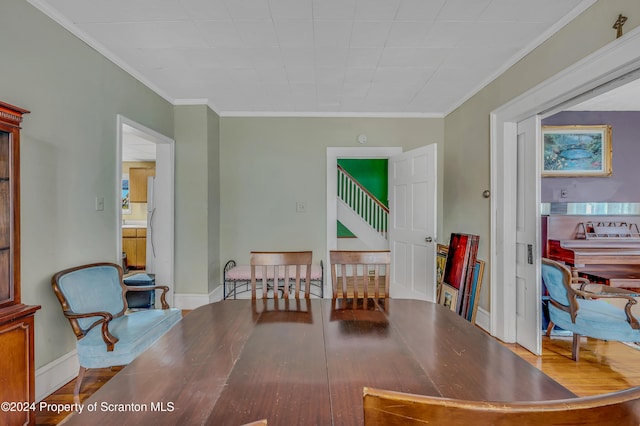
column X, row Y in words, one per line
column 347, row 263
column 105, row 318
column 389, row 408
column 276, row 267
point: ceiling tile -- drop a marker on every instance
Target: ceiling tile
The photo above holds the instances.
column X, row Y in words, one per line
column 330, row 76
column 295, row 33
column 447, row 34
column 291, row 9
column 206, row 10
column 370, row 33
column 376, row 10
column 297, row 57
column 248, row 9
column 257, row 33
column 527, row 11
column 334, row 9
column 330, row 57
column 235, row 57
column 408, row 34
column 359, row 75
column 412, row 57
column 419, row 10
column 220, row 33
column 463, row 10
column 301, row 75
column 364, row 57
column 332, row 33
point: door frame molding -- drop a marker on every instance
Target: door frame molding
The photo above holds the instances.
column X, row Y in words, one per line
column 611, row 66
column 333, row 154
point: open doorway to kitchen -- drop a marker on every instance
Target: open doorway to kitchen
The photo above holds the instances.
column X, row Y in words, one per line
column 145, row 186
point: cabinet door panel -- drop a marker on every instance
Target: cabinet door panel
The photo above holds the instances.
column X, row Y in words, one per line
column 141, row 252
column 129, row 247
column 16, row 355
column 138, row 183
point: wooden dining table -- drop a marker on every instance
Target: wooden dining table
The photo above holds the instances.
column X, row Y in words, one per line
column 305, row 362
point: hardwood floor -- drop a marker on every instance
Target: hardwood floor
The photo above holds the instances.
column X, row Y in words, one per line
column 603, row 367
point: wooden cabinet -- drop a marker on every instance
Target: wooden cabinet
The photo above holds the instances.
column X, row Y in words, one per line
column 17, row 373
column 138, row 183
column 134, row 244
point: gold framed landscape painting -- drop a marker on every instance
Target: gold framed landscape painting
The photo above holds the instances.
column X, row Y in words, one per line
column 570, row 151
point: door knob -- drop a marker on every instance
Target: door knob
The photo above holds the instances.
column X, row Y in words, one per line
column 428, row 239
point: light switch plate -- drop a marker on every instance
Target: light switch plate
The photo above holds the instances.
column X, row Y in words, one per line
column 99, row 204
column 301, row 206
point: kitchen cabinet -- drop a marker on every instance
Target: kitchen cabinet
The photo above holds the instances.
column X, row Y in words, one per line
column 138, row 183
column 134, row 244
column 17, row 373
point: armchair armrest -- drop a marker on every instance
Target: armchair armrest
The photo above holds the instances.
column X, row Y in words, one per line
column 163, row 296
column 607, row 292
column 109, row 339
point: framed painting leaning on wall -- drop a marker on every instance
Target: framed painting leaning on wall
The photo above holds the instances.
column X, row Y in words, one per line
column 570, row 151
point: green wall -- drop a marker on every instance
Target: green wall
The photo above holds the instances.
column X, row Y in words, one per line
column 372, row 174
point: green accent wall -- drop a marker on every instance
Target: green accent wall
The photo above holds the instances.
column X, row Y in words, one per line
column 370, row 173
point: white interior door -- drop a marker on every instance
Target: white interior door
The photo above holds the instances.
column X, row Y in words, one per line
column 413, row 223
column 528, row 288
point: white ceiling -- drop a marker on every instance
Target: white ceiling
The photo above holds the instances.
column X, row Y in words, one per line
column 315, row 57
column 137, row 145
column 623, row 98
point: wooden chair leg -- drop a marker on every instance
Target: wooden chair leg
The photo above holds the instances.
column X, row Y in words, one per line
column 575, row 351
column 550, row 328
column 76, row 389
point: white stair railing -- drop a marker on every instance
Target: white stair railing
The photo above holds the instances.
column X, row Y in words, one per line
column 368, row 207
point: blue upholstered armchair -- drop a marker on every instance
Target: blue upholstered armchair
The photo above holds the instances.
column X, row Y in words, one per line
column 93, row 300
column 583, row 310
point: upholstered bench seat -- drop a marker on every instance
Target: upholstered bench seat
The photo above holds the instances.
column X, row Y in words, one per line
column 136, row 331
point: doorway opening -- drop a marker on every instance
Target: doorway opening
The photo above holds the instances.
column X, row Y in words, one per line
column 145, row 176
column 412, row 223
column 598, row 73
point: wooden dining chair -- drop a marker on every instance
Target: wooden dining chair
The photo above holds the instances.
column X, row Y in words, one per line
column 389, row 408
column 289, row 268
column 355, row 273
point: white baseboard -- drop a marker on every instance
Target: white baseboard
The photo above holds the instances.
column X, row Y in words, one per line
column 192, row 301
column 216, row 295
column 483, row 320
column 51, row 377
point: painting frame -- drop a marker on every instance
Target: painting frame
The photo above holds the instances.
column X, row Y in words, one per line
column 476, row 286
column 441, row 262
column 576, row 151
column 449, row 297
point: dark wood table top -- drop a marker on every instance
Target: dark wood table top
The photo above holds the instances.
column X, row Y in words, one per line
column 305, row 363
